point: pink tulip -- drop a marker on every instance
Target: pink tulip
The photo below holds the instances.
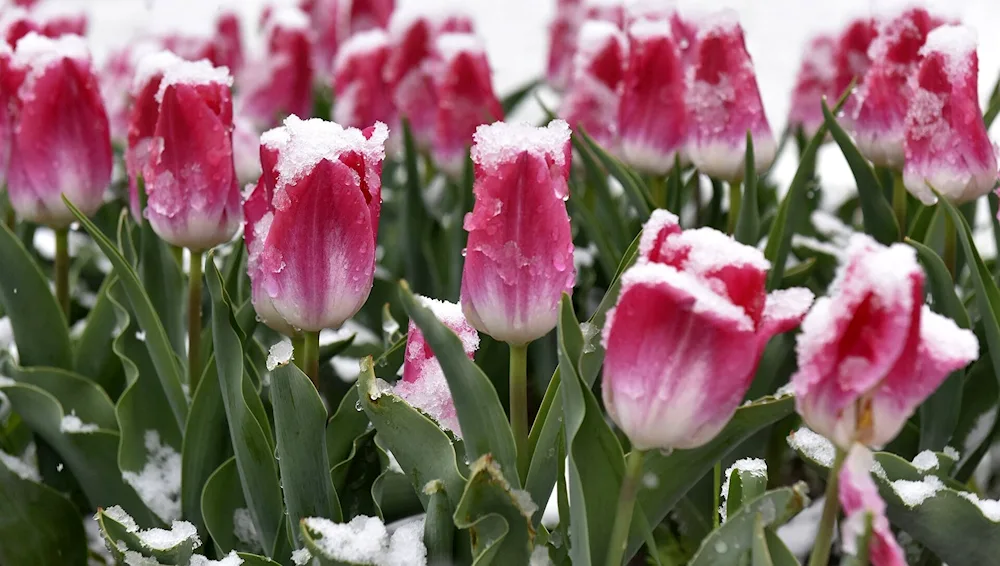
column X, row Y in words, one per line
column 519, row 258
column 423, row 384
column 282, row 83
column 7, row 102
column 609, row 11
column 58, row 21
column 16, row 23
column 653, row 118
column 685, row 338
column 362, row 92
column 327, row 21
column 246, row 151
column 725, row 103
column 229, row 42
column 466, row 100
column 562, row 42
column 591, row 102
column 871, row 352
column 816, row 79
column 860, row 499
column 364, row 15
column 947, row 146
column 194, row 201
column 312, row 223
column 61, row 144
column 884, row 94
column 852, row 57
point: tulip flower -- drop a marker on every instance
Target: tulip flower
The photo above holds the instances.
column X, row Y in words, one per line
column 885, row 92
column 562, row 42
column 327, row 21
column 229, row 42
column 423, row 384
column 364, row 15
column 246, row 151
column 860, row 500
column 363, row 95
column 611, row 12
column 947, row 146
column 685, row 337
column 816, row 79
column 16, row 23
column 653, row 118
column 116, row 78
column 56, row 21
column 852, row 57
column 280, row 84
column 871, row 352
column 464, row 88
column 724, row 103
column 6, row 112
column 312, row 270
column 591, row 102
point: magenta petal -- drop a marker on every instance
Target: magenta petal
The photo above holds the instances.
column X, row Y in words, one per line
column 591, row 102
column 859, row 498
column 783, row 311
column 360, row 84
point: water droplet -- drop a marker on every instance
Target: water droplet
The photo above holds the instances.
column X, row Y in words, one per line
column 721, row 547
column 650, row 480
column 357, row 405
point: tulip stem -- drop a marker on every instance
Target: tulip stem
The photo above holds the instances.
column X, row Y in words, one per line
column 519, row 405
column 310, row 355
column 194, row 322
column 626, row 506
column 899, row 198
column 735, row 201
column 717, row 485
column 824, row 537
column 62, row 270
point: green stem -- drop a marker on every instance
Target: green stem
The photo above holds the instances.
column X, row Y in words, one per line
column 519, row 405
column 717, row 486
column 310, row 355
column 899, row 202
column 626, row 505
column 824, row 537
column 62, row 270
column 194, row 322
column 735, row 201
column 299, row 352
column 950, row 256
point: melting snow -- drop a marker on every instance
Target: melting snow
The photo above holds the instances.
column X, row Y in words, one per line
column 193, row 73
column 365, row 540
column 813, row 446
column 914, row 493
column 301, row 557
column 279, row 355
column 231, row 559
column 158, row 484
column 501, row 141
column 752, row 466
column 244, row 529
column 38, row 52
column 25, row 467
column 957, row 43
column 71, row 424
column 152, row 65
column 925, row 461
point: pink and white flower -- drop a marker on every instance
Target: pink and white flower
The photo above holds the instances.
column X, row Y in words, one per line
column 591, row 101
column 860, row 500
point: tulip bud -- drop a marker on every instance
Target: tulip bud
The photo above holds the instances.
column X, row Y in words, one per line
column 365, row 15
column 57, row 153
column 871, row 352
column 947, row 146
column 465, row 98
column 816, row 79
column 194, row 201
column 282, row 83
column 16, row 23
column 859, row 499
column 519, row 258
column 852, row 58
column 684, row 340
column 312, row 223
column 562, row 43
column 653, row 118
column 424, row 385
column 326, row 19
column 361, row 90
column 229, row 42
column 725, row 103
column 592, row 100
column 885, row 92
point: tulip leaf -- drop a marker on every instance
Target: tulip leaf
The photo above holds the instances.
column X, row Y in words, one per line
column 223, row 507
column 439, row 527
column 744, row 485
column 748, row 223
column 480, row 414
column 39, row 326
column 122, row 530
column 77, row 394
column 879, row 219
column 679, row 471
column 163, row 282
column 248, row 430
column 346, row 432
column 498, row 520
column 161, row 352
column 759, row 552
column 510, row 102
column 921, row 224
column 780, row 554
column 992, row 105
column 424, row 451
column 415, row 221
column 94, row 357
column 635, row 189
column 729, row 544
column 38, row 524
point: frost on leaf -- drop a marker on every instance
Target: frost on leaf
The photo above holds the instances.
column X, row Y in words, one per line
column 365, row 540
column 753, row 466
column 279, row 355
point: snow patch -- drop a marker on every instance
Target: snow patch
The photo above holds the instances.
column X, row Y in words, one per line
column 365, row 540
column 753, row 466
column 925, row 461
column 244, row 528
column 279, row 355
column 25, row 466
column 71, row 424
column 502, row 142
column 813, row 446
column 193, row 73
column 158, row 483
column 914, row 493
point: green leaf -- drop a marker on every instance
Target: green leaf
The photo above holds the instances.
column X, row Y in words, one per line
column 635, row 189
column 728, row 544
column 748, row 224
column 760, row 553
column 780, row 554
column 220, row 501
column 343, row 432
column 744, row 486
column 39, row 326
column 992, row 106
column 38, row 525
column 245, row 413
column 93, row 356
column 879, row 219
column 514, row 99
column 424, row 451
column 175, row 548
column 415, row 220
column 499, row 524
column 164, row 284
column 74, row 392
column 439, row 527
column 480, row 414
column 168, row 368
column 300, row 426
column 206, row 444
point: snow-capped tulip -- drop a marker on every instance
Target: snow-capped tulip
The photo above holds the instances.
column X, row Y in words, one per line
column 312, row 223
column 465, row 95
column 652, row 116
column 16, row 23
column 884, row 94
column 56, row 21
column 816, row 79
column 562, row 43
column 591, row 102
column 852, row 58
column 326, row 20
column 860, row 500
column 364, row 15
column 724, row 103
column 947, row 146
column 519, row 257
column 612, row 11
column 194, row 201
column 423, row 384
column 360, row 84
column 684, row 340
column 61, row 143
column 871, row 352
column 282, row 83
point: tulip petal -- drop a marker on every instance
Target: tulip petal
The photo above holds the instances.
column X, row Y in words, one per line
column 859, row 498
